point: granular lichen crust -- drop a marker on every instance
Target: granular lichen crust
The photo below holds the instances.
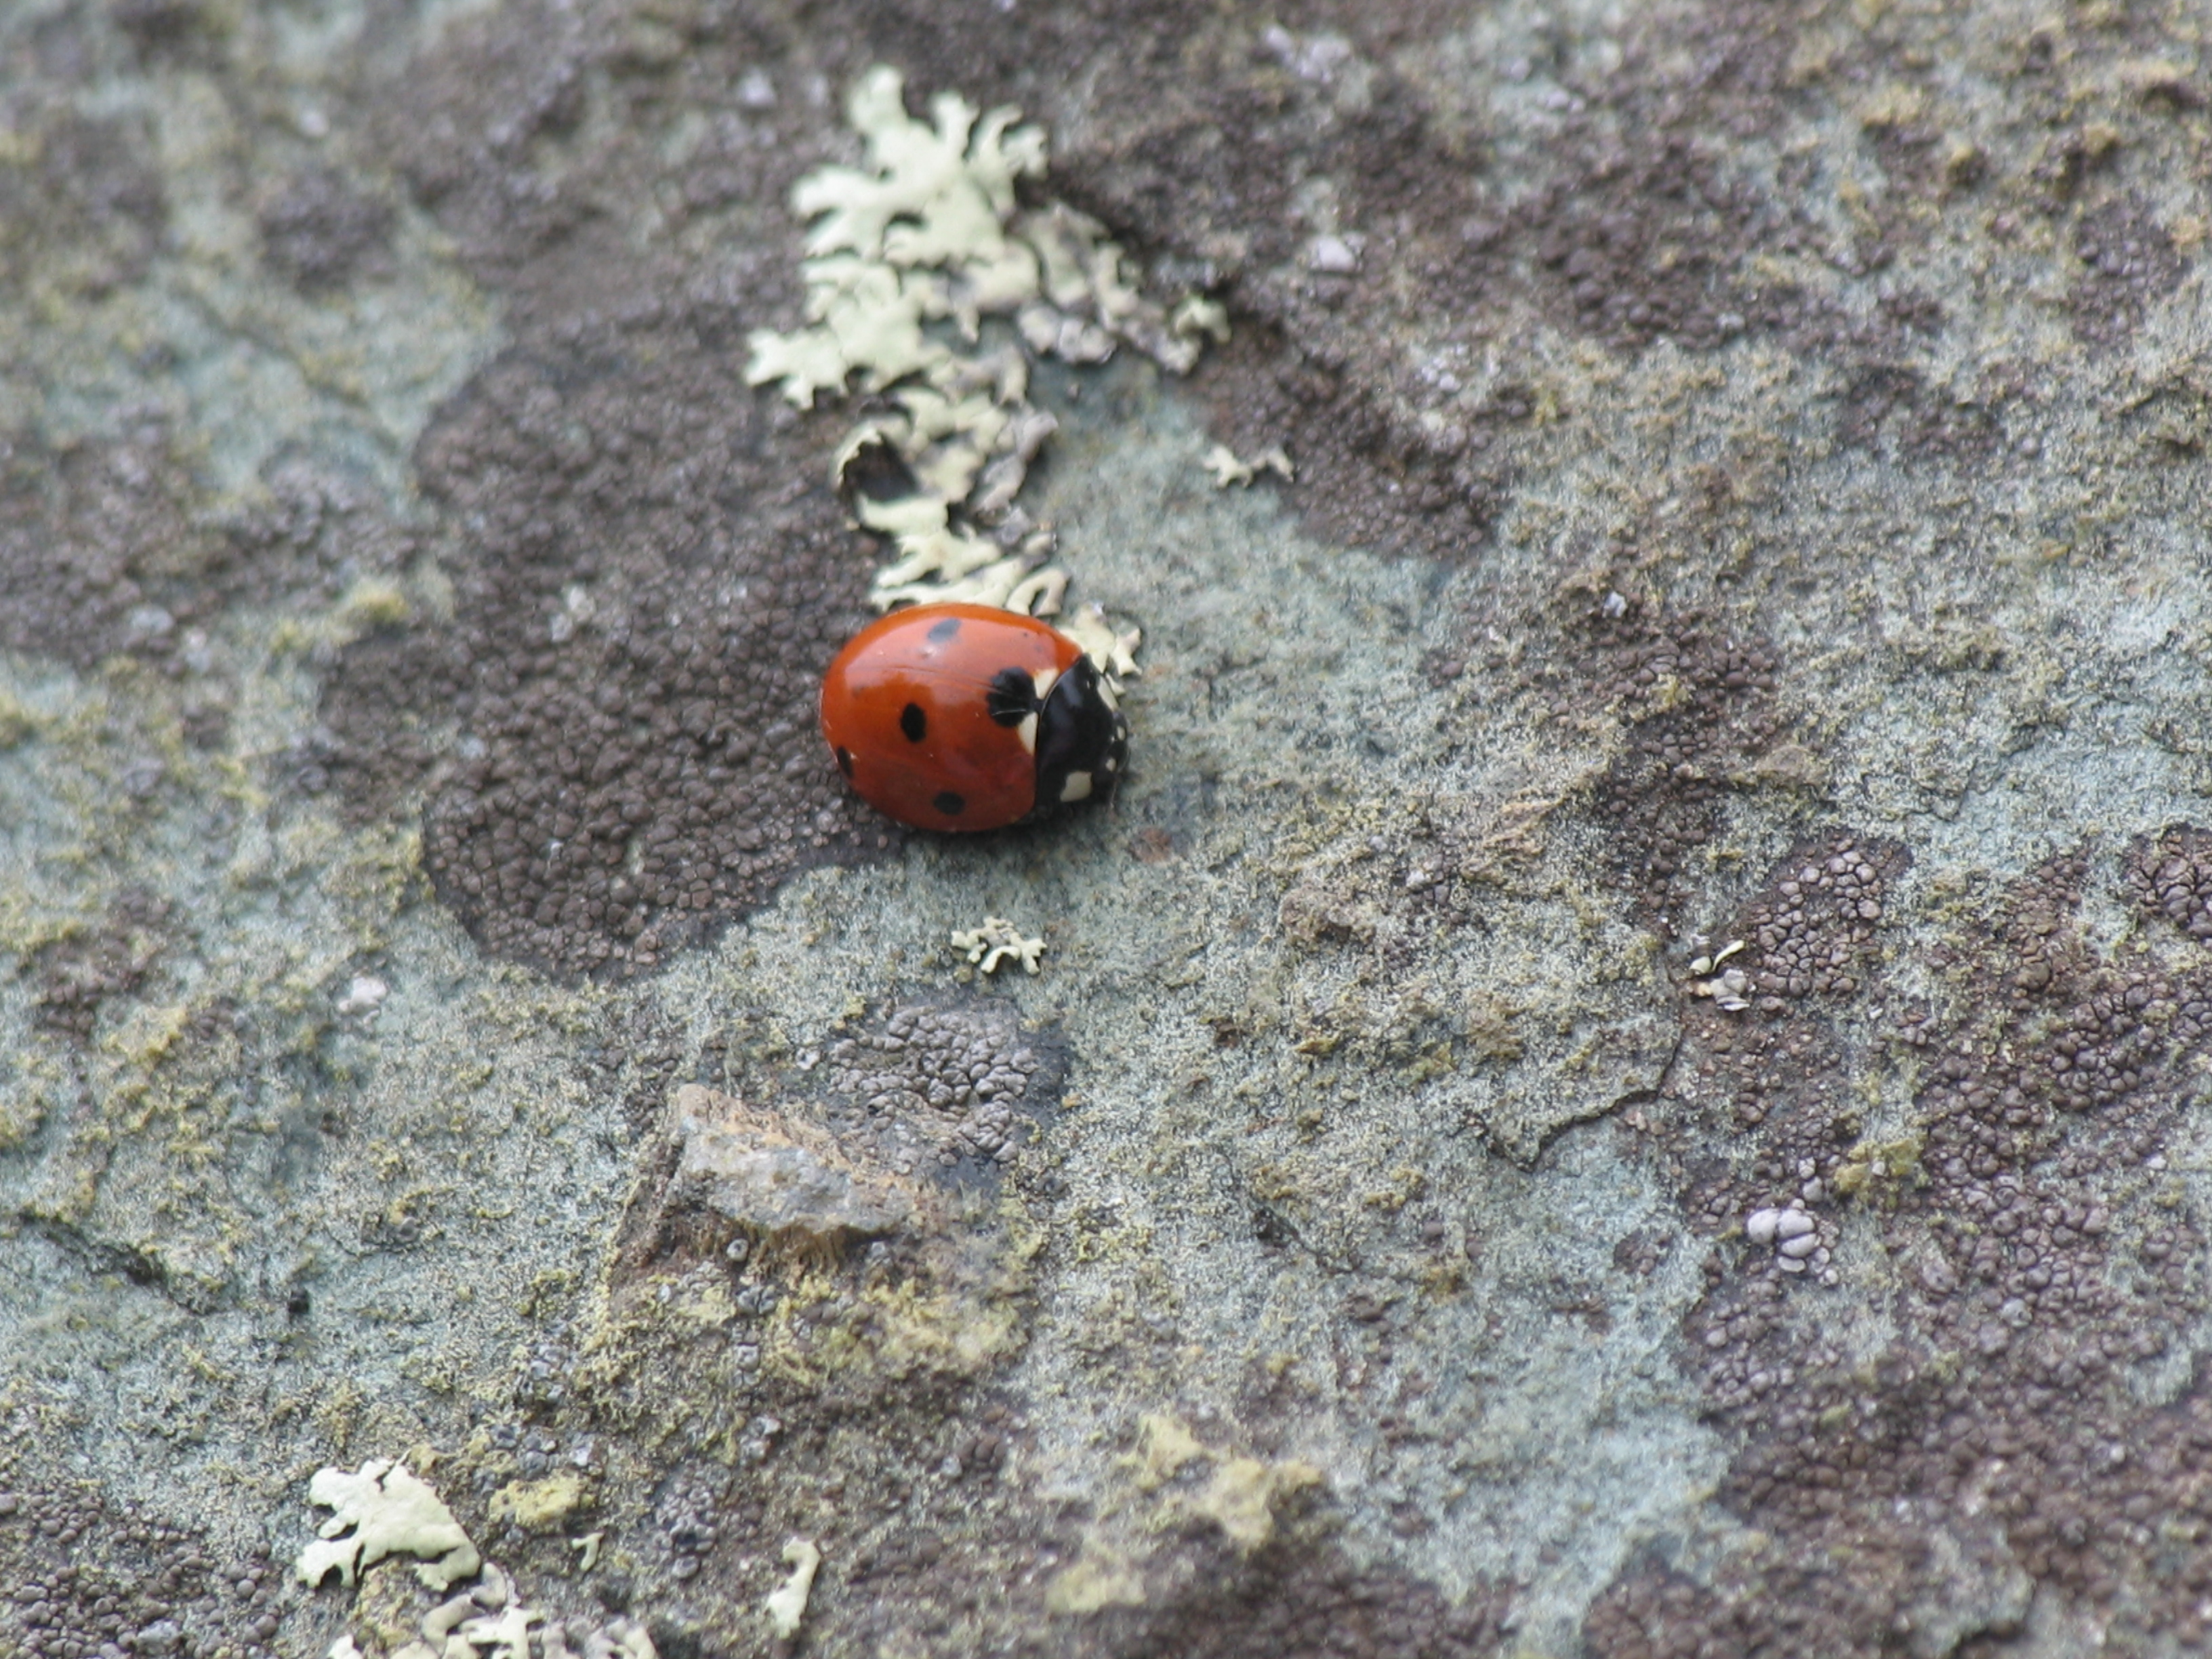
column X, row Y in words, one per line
column 83, row 1570
column 625, row 696
column 320, row 229
column 1698, row 715
column 932, row 1086
column 97, row 551
column 2041, row 1275
column 1631, row 1049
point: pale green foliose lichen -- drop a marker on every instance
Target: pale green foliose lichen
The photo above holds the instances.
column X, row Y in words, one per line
column 996, row 941
column 390, row 1511
column 786, row 1607
column 1228, row 468
column 909, row 256
column 385, row 1511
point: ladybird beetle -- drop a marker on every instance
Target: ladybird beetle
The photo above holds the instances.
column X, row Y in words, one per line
column 963, row 717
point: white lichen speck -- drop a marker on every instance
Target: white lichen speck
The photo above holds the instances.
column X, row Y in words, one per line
column 363, row 997
column 994, row 941
column 1227, row 469
column 1728, row 988
column 786, row 1607
column 1795, row 1238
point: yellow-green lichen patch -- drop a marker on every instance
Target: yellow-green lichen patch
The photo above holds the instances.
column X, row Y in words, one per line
column 394, row 1515
column 544, row 1506
column 1880, row 1171
column 1166, row 1446
column 1100, row 1578
column 1244, row 1497
column 1179, row 1480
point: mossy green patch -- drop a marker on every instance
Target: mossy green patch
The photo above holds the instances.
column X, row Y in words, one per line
column 1882, row 1171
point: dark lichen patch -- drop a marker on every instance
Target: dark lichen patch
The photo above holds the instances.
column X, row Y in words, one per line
column 1751, row 1113
column 1892, row 409
column 1302, row 1596
column 616, row 728
column 1655, row 238
column 1812, row 932
column 81, row 196
column 1697, row 707
column 107, row 547
column 461, row 123
column 1654, row 1612
column 85, row 1572
column 2170, row 876
column 2127, row 261
column 99, row 549
column 322, row 230
column 2039, row 1259
column 645, row 596
column 945, row 1089
column 1367, row 478
column 77, row 975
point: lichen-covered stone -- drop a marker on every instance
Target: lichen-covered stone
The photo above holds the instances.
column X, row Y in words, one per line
column 1728, row 440
column 778, row 1178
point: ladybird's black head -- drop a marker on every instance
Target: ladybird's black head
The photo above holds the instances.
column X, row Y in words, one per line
column 1082, row 738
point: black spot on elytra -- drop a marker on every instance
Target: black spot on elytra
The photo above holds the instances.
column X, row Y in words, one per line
column 945, row 629
column 845, row 760
column 1012, row 697
column 913, row 722
column 951, row 805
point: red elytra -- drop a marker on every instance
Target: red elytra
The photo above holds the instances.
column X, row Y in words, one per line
column 965, row 717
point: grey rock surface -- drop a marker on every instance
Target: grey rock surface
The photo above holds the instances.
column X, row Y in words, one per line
column 1624, row 1076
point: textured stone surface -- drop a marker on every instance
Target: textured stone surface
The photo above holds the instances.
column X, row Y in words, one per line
column 771, row 1177
column 1624, row 1075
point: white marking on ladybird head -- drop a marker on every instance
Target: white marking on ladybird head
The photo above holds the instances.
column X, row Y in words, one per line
column 1106, row 693
column 1108, row 764
column 1027, row 732
column 1046, row 679
column 1078, row 787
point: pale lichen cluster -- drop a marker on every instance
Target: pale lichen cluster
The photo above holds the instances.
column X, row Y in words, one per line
column 385, row 1510
column 1228, row 468
column 787, row 1605
column 930, row 287
column 1728, row 988
column 996, row 941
